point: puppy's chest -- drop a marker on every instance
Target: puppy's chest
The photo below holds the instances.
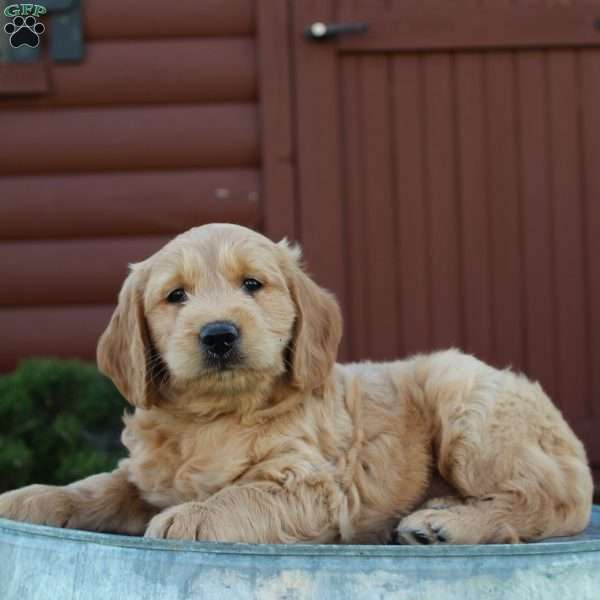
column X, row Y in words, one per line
column 171, row 467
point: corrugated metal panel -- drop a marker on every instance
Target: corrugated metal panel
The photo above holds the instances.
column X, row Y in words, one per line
column 589, row 132
column 484, row 194
column 465, row 186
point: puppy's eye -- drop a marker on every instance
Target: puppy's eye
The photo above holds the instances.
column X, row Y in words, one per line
column 251, row 285
column 177, row 296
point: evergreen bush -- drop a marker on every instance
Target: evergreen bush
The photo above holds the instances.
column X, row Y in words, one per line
column 60, row 421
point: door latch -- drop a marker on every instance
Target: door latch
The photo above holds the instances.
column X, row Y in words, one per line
column 319, row 31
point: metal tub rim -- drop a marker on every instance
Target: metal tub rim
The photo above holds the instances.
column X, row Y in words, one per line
column 588, row 541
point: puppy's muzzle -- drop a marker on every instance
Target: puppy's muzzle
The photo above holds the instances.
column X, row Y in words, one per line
column 219, row 338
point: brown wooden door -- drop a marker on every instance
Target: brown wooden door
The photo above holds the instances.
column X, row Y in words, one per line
column 449, row 183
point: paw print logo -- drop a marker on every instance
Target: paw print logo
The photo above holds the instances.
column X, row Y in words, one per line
column 24, row 32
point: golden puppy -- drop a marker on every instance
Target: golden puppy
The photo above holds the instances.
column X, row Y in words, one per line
column 245, row 429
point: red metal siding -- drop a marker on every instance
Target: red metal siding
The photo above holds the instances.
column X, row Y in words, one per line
column 448, row 184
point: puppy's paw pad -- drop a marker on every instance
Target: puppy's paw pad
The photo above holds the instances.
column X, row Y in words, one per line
column 425, row 528
column 420, row 537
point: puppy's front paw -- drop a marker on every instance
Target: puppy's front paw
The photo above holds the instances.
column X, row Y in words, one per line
column 183, row 522
column 424, row 527
column 40, row 504
column 460, row 524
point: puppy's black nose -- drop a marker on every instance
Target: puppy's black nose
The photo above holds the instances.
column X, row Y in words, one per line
column 219, row 337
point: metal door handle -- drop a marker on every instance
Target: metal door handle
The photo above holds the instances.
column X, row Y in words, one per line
column 319, row 31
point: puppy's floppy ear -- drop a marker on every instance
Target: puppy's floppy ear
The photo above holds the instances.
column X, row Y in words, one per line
column 124, row 350
column 318, row 326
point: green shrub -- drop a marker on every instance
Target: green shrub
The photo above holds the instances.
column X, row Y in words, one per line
column 59, row 421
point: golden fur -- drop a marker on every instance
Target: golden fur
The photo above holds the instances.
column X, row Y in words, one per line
column 289, row 446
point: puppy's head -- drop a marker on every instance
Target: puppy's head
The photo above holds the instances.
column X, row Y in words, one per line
column 219, row 311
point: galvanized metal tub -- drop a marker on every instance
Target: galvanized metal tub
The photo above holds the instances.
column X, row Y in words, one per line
column 42, row 563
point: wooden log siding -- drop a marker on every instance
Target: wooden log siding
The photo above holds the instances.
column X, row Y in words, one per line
column 112, row 19
column 60, row 272
column 155, row 131
column 128, row 138
column 51, row 331
column 219, row 69
column 127, row 203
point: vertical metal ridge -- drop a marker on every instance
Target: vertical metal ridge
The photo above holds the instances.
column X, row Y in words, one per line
column 519, row 177
column 422, row 92
column 551, row 208
column 361, row 124
column 458, row 202
column 583, row 197
column 485, row 67
column 395, row 200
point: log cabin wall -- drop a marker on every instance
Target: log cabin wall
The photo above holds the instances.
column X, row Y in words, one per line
column 155, row 131
column 441, row 171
